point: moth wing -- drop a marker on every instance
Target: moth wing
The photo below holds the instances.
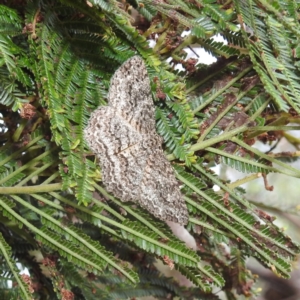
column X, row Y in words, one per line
column 159, row 189
column 108, row 133
column 130, row 95
column 117, row 146
column 142, row 174
column 123, row 174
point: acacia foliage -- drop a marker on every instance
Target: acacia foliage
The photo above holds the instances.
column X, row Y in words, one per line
column 57, row 220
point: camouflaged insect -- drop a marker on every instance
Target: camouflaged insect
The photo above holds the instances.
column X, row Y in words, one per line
column 122, row 135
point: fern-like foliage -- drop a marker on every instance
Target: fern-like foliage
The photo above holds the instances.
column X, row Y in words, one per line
column 271, row 46
column 57, row 222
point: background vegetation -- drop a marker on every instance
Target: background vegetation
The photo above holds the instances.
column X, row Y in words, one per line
column 74, row 239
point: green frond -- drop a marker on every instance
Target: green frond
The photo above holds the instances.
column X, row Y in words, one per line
column 149, row 241
column 88, row 288
column 290, row 6
column 219, row 48
column 234, row 38
column 7, row 179
column 147, row 11
column 272, row 48
column 167, row 127
column 106, row 6
column 5, row 204
column 217, row 14
column 74, row 245
column 244, row 164
column 196, row 102
column 10, row 22
column 186, row 119
column 194, row 276
column 7, row 53
column 5, row 251
column 77, row 255
column 215, row 209
column 203, row 27
column 156, row 279
column 200, row 184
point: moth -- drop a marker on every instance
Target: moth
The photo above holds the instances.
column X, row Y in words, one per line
column 123, row 137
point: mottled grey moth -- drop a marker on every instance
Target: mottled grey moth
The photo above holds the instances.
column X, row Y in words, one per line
column 122, row 135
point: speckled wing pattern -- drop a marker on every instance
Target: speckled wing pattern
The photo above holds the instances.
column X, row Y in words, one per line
column 122, row 135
